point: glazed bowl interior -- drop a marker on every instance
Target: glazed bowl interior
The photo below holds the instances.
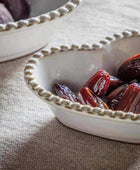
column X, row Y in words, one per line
column 73, row 68
column 39, row 7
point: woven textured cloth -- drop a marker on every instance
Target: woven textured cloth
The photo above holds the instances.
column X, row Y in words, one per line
column 31, row 138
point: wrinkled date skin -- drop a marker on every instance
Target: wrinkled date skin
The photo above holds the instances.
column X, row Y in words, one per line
column 64, row 92
column 114, row 83
column 20, row 9
column 115, row 96
column 86, row 96
column 5, row 16
column 130, row 100
column 130, row 69
column 99, row 83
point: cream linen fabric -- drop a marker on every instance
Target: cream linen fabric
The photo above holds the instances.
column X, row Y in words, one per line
column 31, row 138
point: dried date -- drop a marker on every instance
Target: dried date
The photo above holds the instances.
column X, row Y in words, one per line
column 64, row 92
column 86, row 96
column 99, row 83
column 130, row 100
column 130, row 69
column 115, row 96
column 114, row 83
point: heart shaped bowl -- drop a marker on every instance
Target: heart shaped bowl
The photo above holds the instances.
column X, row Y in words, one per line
column 26, row 36
column 74, row 65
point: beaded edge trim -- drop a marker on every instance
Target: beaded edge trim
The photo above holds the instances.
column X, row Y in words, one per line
column 67, row 8
column 77, row 107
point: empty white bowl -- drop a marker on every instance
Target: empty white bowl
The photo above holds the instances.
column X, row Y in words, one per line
column 74, row 65
column 25, row 36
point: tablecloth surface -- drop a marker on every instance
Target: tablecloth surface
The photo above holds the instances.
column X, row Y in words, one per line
column 31, row 138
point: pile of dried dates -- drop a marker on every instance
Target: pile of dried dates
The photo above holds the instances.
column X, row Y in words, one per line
column 14, row 10
column 106, row 91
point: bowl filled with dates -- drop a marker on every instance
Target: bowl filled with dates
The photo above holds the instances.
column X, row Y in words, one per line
column 30, row 24
column 92, row 88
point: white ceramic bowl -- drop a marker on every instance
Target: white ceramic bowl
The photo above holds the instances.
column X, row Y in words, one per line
column 74, row 65
column 25, row 36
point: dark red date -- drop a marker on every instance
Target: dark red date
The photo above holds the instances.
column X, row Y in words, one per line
column 130, row 100
column 114, row 83
column 99, row 83
column 130, row 69
column 86, row 96
column 115, row 96
column 64, row 92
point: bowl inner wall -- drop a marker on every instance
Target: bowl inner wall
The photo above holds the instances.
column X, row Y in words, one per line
column 74, row 68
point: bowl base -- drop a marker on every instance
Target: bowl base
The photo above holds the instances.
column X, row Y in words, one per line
column 133, row 141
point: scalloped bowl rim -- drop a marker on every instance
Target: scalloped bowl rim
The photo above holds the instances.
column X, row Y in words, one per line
column 49, row 16
column 77, row 108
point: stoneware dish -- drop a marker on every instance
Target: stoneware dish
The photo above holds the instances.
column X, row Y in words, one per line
column 74, row 65
column 25, row 36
